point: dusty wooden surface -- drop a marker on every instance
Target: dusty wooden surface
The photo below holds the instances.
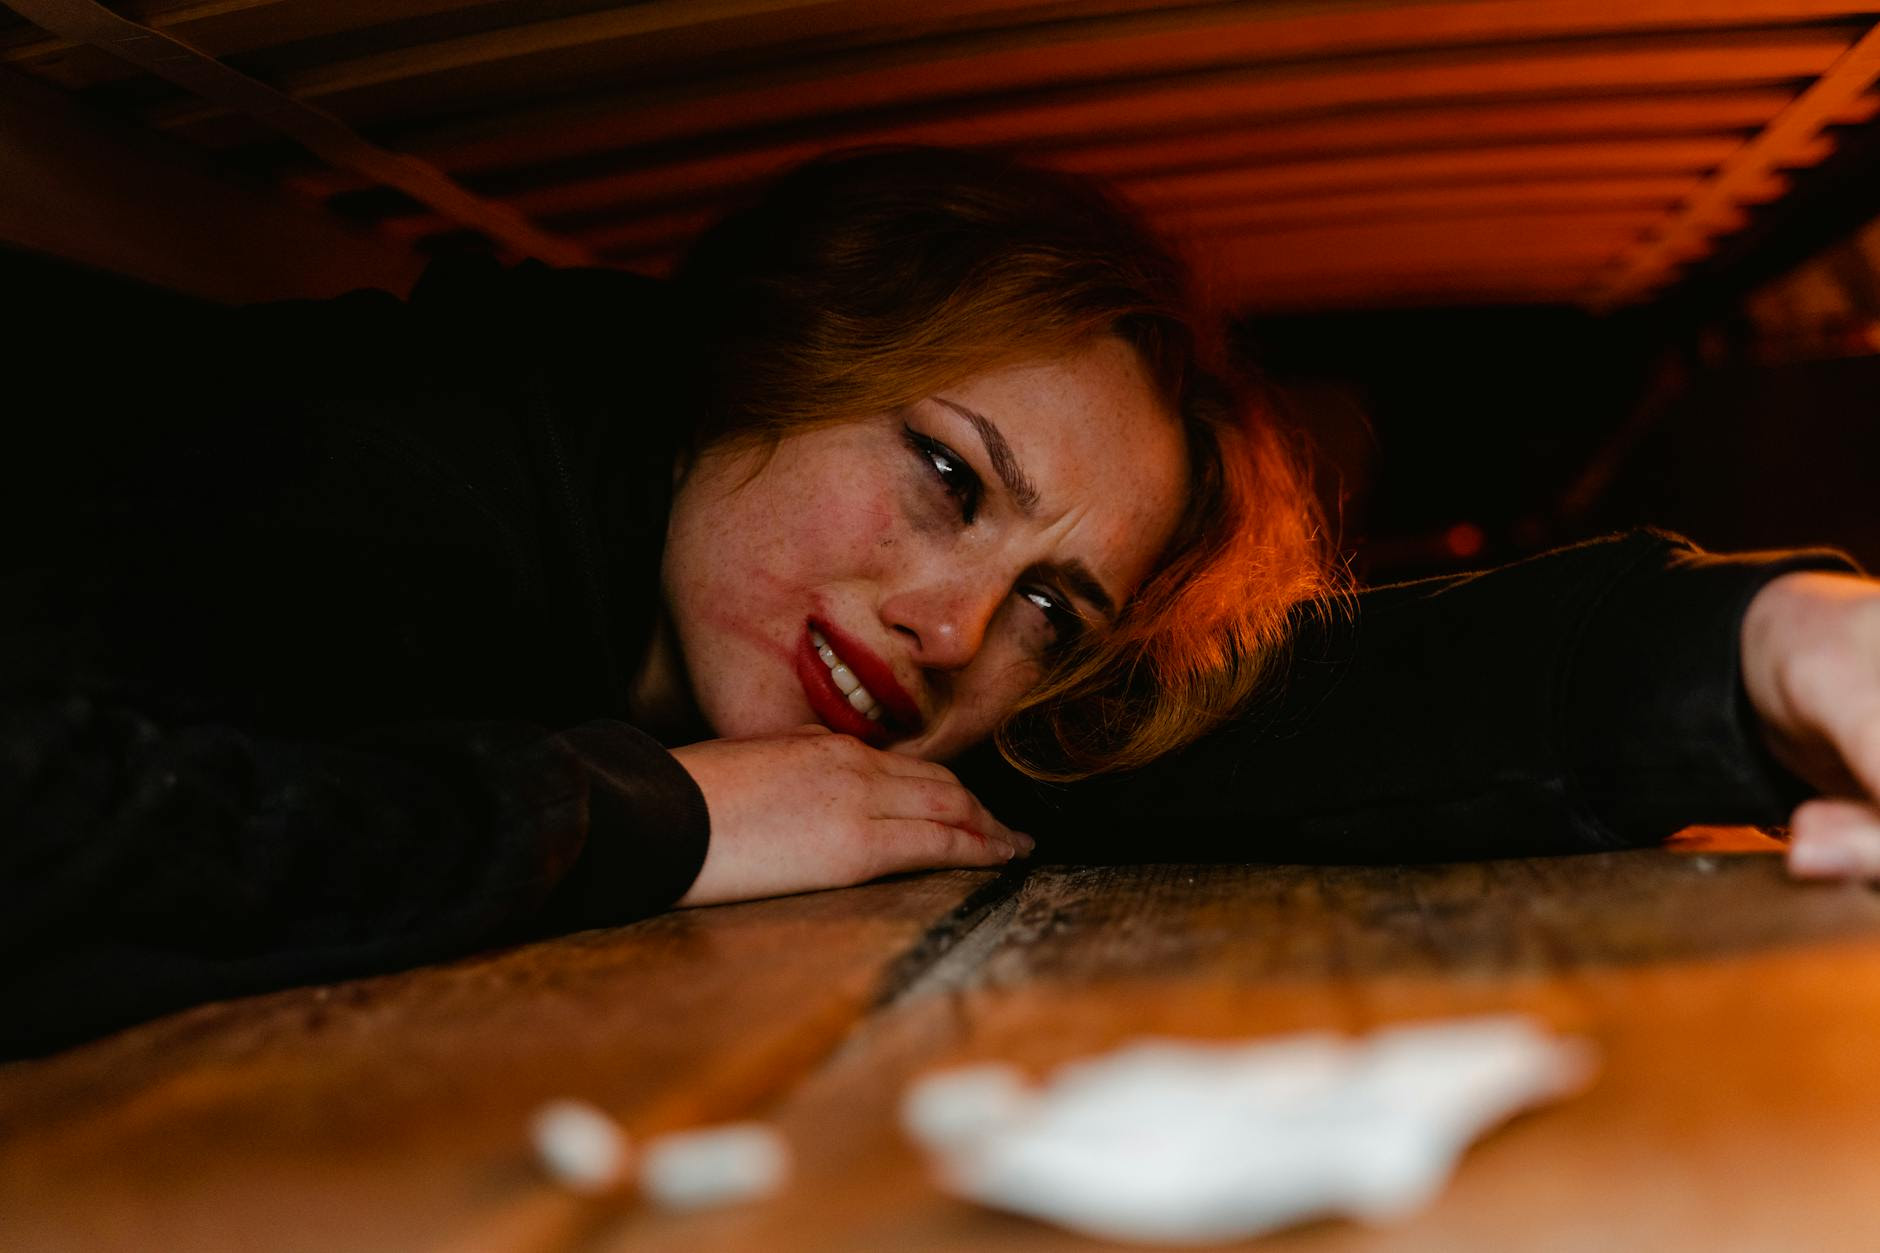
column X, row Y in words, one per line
column 1738, row 1106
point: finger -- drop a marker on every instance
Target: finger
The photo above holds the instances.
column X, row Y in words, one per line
column 947, row 801
column 921, row 844
column 810, row 728
column 974, row 813
column 1835, row 839
column 903, row 766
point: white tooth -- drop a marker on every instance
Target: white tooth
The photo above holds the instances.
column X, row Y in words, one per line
column 828, row 655
column 860, row 700
column 872, row 713
column 818, row 640
column 845, row 679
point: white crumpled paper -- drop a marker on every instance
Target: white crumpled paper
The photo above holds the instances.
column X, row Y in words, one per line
column 1175, row 1141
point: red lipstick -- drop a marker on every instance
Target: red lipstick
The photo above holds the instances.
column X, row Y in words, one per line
column 901, row 716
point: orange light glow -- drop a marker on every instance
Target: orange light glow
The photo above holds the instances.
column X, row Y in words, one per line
column 1465, row 539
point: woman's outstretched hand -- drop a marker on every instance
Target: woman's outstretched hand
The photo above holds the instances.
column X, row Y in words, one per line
column 811, row 809
column 1811, row 663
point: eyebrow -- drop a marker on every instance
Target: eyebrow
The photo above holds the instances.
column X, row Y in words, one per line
column 1078, row 578
column 1075, row 574
column 1004, row 461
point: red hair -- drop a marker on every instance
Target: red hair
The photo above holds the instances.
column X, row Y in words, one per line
column 865, row 281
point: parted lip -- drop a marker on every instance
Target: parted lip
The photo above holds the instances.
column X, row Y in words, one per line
column 876, row 675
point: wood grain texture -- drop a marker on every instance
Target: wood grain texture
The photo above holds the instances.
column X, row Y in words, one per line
column 1019, row 53
column 1508, row 201
column 680, row 117
column 1506, row 164
column 582, row 131
column 1792, row 138
column 1438, row 126
column 1733, row 1011
column 93, row 191
column 703, row 180
column 389, row 1113
column 316, row 131
column 625, row 182
column 219, row 27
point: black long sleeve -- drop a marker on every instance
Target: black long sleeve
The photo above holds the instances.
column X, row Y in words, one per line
column 148, row 866
column 1586, row 699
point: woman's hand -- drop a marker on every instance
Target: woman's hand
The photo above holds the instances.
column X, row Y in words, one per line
column 1811, row 663
column 812, row 809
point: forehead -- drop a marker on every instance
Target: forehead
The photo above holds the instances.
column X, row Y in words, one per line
column 1107, row 456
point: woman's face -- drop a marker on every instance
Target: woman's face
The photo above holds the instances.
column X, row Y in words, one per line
column 903, row 578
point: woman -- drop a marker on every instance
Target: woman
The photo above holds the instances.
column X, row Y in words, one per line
column 552, row 599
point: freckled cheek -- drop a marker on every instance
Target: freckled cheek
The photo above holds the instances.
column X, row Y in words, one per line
column 798, row 551
column 850, row 537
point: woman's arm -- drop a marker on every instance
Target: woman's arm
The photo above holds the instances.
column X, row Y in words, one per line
column 1590, row 698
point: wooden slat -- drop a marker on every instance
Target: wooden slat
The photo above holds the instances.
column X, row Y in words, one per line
column 1786, row 141
column 698, row 179
column 1554, row 274
column 1507, row 72
column 526, row 137
column 1369, row 293
column 1364, row 237
column 1234, row 185
column 1241, row 277
column 318, row 132
column 695, row 30
column 1732, row 1013
column 1019, row 56
column 1439, row 126
column 1366, row 243
column 640, row 234
column 90, row 190
column 219, row 27
column 636, row 234
column 654, row 227
column 390, row 1113
column 1659, row 192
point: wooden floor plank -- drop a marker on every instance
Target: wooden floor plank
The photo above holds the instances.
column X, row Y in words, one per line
column 1734, row 1012
column 389, row 1113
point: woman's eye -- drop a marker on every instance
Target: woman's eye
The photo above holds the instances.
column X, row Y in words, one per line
column 1065, row 623
column 955, row 477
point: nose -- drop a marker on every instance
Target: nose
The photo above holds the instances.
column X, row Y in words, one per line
column 945, row 620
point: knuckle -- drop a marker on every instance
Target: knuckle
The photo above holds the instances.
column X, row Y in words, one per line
column 949, row 841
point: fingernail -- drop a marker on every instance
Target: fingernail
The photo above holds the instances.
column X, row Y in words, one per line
column 1024, row 843
column 1823, row 859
